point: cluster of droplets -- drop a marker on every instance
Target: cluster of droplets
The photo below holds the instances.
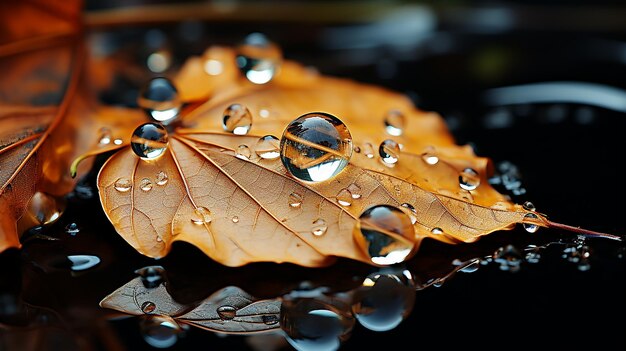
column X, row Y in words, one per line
column 124, row 184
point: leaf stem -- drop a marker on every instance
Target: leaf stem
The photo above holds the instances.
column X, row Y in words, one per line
column 584, row 232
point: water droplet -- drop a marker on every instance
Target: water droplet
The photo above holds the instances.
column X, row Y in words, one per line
column 235, row 219
column 42, row 209
column 270, row 319
column 315, row 147
column 357, row 149
column 159, row 331
column 264, row 113
column 149, row 141
column 437, row 231
column 430, row 156
column 530, row 227
column 226, row 312
column 529, row 206
column 123, row 185
column 394, row 122
column 148, row 307
column 384, row 233
column 469, row 179
column 355, row 191
column 368, row 150
column 258, row 58
column 268, row 147
column 389, row 151
column 161, row 178
column 412, row 212
column 295, row 200
column 344, row 197
column 118, row 141
column 105, row 136
column 470, row 266
column 509, row 258
column 311, row 324
column 145, row 184
column 237, row 119
column 213, row 67
column 159, row 99
column 151, row 276
column 243, row 152
column 319, row 227
column 201, row 216
column 83, row 262
column 72, row 229
column 385, row 301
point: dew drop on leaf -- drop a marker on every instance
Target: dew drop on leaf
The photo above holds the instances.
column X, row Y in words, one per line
column 412, row 212
column 437, row 231
column 268, row 147
column 529, row 206
column 344, row 197
column 159, row 99
column 319, row 227
column 243, row 152
column 235, row 219
column 148, row 307
column 368, row 150
column 258, row 58
column 149, row 141
column 226, row 312
column 201, row 215
column 161, row 178
column 355, row 191
column 123, row 185
column 295, row 200
column 105, row 137
column 316, row 147
column 430, row 156
column 389, row 151
column 530, row 227
column 237, row 119
column 469, row 179
column 394, row 122
column 145, row 184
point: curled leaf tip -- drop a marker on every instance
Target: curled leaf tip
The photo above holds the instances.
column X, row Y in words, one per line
column 81, row 158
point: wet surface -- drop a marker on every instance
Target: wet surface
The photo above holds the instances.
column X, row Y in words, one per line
column 513, row 288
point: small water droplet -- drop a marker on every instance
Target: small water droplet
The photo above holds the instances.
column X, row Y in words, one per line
column 243, row 152
column 161, row 178
column 159, row 331
column 469, row 179
column 148, row 307
column 213, row 67
column 149, row 141
column 530, row 227
column 295, row 200
column 72, row 229
column 105, row 136
column 437, row 231
column 151, row 276
column 237, row 119
column 264, row 113
column 235, row 219
column 529, row 206
column 226, row 312
column 471, row 266
column 118, row 141
column 357, row 149
column 385, row 234
column 159, row 99
column 355, row 191
column 201, row 216
column 319, row 227
column 270, row 319
column 268, row 147
column 123, row 185
column 258, row 58
column 394, row 122
column 344, row 197
column 83, row 262
column 430, row 156
column 145, row 184
column 389, row 151
column 368, row 150
column 315, row 147
column 412, row 211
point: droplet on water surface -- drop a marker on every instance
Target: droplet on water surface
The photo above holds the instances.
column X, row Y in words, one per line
column 149, row 141
column 295, row 200
column 315, row 147
column 201, row 215
column 319, row 227
column 469, row 179
column 394, row 122
column 258, row 58
column 389, row 151
column 72, row 229
column 385, row 234
column 83, row 262
column 268, row 147
column 237, row 119
column 530, row 227
column 123, row 185
column 243, row 152
column 160, row 100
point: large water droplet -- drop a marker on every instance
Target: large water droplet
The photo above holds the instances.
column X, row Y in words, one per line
column 469, row 179
column 42, row 209
column 258, row 58
column 151, row 276
column 394, row 122
column 344, row 197
column 145, row 184
column 123, row 185
column 243, row 152
column 159, row 331
column 316, row 147
column 384, row 301
column 295, row 200
column 237, row 119
column 149, row 141
column 268, row 147
column 389, row 151
column 385, row 234
column 161, row 178
column 430, row 156
column 83, row 262
column 529, row 206
column 201, row 215
column 148, row 307
column 319, row 227
column 160, row 100
column 530, row 227
column 311, row 324
column 226, row 312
